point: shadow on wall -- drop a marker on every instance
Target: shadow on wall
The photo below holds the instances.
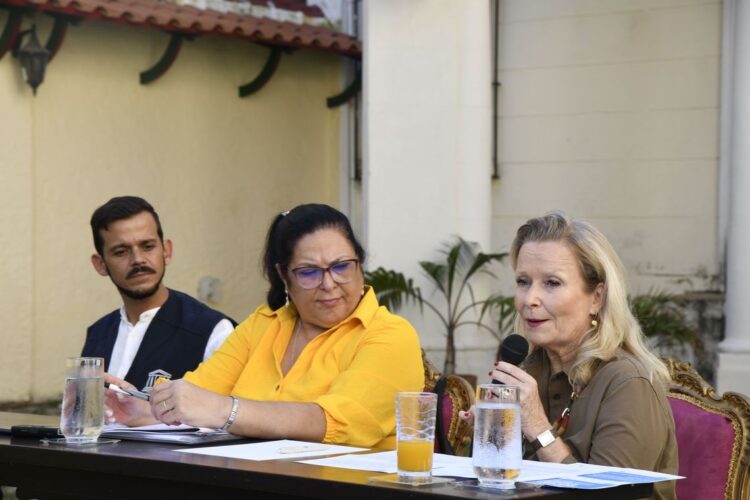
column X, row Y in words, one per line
column 51, row 407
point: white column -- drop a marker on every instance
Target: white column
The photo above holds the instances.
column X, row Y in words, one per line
column 474, row 129
column 733, row 372
column 427, row 126
column 427, row 134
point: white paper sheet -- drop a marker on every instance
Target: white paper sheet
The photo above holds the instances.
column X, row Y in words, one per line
column 598, row 476
column 442, row 465
column 274, row 450
column 538, row 472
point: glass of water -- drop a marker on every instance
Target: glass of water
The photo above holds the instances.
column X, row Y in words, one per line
column 82, row 415
column 415, row 432
column 497, row 435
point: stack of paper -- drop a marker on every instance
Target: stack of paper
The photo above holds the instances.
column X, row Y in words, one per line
column 579, row 476
column 162, row 433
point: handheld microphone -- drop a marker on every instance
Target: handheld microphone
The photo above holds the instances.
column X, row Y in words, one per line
column 513, row 350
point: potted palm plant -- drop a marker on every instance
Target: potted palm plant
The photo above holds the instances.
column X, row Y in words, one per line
column 452, row 278
column 662, row 319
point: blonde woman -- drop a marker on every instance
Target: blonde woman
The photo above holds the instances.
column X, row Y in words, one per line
column 591, row 391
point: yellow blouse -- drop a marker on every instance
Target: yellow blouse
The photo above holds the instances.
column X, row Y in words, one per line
column 352, row 371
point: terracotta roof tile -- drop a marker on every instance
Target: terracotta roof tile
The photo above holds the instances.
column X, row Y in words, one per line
column 182, row 18
column 168, row 16
column 160, row 18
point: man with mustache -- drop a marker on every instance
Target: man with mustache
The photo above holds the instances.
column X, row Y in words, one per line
column 156, row 328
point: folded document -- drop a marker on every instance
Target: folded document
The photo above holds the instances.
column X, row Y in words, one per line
column 162, row 433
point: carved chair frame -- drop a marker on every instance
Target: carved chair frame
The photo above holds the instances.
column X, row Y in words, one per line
column 461, row 393
column 689, row 386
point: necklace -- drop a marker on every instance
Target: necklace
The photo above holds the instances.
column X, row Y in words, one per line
column 561, row 422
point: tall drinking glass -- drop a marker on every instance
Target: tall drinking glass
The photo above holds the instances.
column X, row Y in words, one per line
column 497, row 435
column 82, row 415
column 415, row 430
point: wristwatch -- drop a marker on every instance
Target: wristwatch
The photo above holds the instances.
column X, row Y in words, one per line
column 543, row 440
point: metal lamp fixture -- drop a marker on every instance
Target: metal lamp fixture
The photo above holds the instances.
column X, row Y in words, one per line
column 33, row 58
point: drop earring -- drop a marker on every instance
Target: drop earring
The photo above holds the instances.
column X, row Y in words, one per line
column 286, row 296
column 362, row 294
column 594, row 322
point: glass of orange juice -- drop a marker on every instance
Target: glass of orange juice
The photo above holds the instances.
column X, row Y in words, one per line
column 415, row 431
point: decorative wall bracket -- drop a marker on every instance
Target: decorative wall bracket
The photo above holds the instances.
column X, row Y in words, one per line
column 169, row 56
column 57, row 36
column 10, row 31
column 274, row 57
column 348, row 93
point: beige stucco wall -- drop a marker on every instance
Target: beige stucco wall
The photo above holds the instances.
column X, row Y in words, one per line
column 16, row 263
column 215, row 166
column 609, row 110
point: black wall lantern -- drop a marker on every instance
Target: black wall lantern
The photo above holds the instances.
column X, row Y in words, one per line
column 33, row 58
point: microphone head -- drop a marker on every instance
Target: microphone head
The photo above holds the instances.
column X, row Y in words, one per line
column 514, row 349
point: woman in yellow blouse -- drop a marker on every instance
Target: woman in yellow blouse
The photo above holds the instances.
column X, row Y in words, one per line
column 322, row 361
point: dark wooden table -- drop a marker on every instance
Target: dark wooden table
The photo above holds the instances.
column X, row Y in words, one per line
column 130, row 470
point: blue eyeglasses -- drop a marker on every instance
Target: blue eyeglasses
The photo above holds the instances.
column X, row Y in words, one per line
column 341, row 272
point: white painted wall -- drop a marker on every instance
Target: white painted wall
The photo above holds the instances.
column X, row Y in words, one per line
column 610, row 112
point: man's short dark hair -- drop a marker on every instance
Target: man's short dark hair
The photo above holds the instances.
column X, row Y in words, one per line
column 119, row 208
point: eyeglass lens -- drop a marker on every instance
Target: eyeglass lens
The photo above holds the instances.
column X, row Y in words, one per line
column 311, row 277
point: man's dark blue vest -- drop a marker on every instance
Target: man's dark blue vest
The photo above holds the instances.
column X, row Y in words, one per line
column 175, row 341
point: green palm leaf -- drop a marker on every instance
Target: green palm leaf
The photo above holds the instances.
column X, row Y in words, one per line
column 436, row 272
column 392, row 288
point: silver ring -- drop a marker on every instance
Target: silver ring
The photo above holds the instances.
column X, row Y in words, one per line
column 164, row 404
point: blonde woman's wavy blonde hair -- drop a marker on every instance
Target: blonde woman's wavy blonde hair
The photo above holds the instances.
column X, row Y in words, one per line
column 598, row 263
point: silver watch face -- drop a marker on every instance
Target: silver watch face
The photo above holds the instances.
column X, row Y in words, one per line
column 546, row 438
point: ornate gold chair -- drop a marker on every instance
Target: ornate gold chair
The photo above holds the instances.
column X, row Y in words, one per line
column 713, row 437
column 452, row 435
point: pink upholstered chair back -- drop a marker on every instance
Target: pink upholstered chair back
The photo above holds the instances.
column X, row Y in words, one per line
column 705, row 440
column 712, row 438
column 457, row 395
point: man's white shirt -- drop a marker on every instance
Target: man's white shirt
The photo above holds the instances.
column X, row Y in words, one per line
column 130, row 336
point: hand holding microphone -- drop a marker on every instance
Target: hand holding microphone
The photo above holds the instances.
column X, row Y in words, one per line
column 513, row 350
